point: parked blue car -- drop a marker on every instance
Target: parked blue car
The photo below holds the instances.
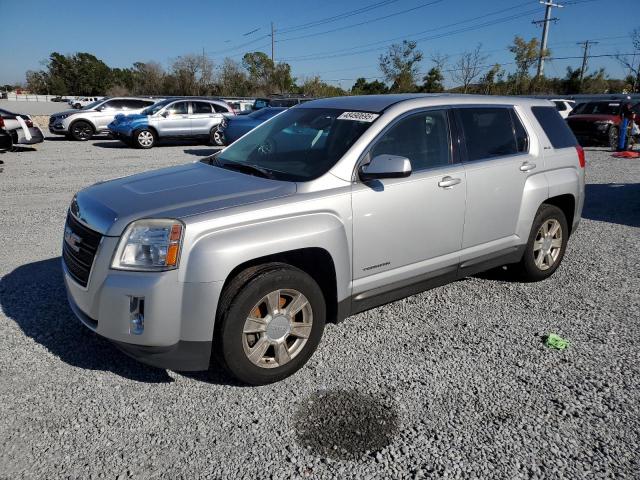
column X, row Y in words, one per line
column 231, row 129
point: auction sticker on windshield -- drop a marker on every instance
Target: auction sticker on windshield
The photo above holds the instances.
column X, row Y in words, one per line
column 359, row 116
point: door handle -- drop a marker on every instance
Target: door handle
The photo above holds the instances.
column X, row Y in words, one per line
column 448, row 182
column 526, row 166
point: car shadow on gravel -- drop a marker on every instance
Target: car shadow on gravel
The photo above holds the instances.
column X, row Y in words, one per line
column 33, row 296
column 613, row 202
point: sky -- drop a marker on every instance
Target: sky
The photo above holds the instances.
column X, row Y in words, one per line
column 336, row 39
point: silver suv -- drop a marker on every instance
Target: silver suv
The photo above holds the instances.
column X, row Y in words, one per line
column 93, row 118
column 331, row 208
column 174, row 118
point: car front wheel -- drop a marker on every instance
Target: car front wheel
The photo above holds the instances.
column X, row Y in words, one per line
column 144, row 138
column 82, row 130
column 270, row 321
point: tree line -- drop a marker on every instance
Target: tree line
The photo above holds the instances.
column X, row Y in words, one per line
column 257, row 75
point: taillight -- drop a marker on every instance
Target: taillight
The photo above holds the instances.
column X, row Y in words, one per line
column 1, row 122
column 580, row 151
column 28, row 122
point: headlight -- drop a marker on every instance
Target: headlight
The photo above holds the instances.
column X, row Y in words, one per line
column 63, row 116
column 149, row 245
column 223, row 123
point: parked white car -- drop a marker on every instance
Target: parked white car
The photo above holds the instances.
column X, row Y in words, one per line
column 564, row 106
column 83, row 101
column 93, row 118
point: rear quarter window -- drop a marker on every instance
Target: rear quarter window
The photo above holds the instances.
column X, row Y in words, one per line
column 554, row 127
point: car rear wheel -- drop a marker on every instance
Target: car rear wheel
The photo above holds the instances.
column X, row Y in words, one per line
column 82, row 130
column 216, row 137
column 144, row 138
column 270, row 321
column 546, row 246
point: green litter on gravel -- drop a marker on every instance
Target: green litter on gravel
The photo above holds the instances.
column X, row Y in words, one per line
column 556, row 341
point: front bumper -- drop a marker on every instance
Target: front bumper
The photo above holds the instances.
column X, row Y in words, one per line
column 178, row 316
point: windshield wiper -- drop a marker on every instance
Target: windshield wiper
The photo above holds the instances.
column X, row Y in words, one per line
column 246, row 168
column 240, row 167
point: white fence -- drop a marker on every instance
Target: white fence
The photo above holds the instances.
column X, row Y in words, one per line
column 22, row 97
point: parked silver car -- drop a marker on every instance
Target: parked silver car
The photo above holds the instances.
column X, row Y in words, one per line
column 170, row 119
column 93, row 118
column 331, row 208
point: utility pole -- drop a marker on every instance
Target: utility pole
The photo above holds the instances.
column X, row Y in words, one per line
column 583, row 69
column 272, row 43
column 545, row 32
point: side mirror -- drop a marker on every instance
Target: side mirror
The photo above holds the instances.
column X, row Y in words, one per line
column 165, row 114
column 385, row 166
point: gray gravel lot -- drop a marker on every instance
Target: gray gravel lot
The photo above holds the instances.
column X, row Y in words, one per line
column 451, row 383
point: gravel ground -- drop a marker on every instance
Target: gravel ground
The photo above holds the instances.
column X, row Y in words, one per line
column 451, row 383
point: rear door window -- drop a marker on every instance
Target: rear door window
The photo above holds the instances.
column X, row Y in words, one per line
column 179, row 108
column 554, row 127
column 488, row 132
column 201, row 107
column 220, row 108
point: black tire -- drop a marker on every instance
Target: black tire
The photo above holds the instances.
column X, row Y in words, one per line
column 527, row 270
column 216, row 138
column 613, row 137
column 144, row 138
column 81, row 130
column 236, row 304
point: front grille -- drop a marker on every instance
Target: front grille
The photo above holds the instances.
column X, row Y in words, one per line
column 52, row 119
column 79, row 259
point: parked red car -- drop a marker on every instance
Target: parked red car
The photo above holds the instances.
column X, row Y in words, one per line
column 597, row 123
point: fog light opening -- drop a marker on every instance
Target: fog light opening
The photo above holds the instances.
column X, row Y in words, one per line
column 136, row 315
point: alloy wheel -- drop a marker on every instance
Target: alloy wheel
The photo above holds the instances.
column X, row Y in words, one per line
column 277, row 328
column 547, row 244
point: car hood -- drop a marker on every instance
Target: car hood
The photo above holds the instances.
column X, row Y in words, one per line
column 67, row 112
column 174, row 192
column 593, row 118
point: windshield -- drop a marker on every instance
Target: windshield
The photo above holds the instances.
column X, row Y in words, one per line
column 155, row 108
column 93, row 104
column 265, row 113
column 598, row 108
column 300, row 144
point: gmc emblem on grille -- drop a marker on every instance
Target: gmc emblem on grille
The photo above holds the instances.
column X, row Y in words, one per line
column 72, row 239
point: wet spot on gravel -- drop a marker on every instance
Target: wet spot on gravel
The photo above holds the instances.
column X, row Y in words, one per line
column 345, row 424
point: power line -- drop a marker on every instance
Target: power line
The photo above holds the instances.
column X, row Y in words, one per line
column 384, row 17
column 337, row 17
column 345, row 52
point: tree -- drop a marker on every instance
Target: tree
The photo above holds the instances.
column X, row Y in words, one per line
column 400, row 66
column 148, row 79
column 232, row 80
column 260, row 68
column 629, row 61
column 193, row 74
column 362, row 87
column 525, row 54
column 280, row 79
column 37, row 82
column 468, row 67
column 489, row 79
column 315, row 87
column 433, row 81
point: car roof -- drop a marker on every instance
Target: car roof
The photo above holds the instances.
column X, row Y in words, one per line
column 379, row 103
